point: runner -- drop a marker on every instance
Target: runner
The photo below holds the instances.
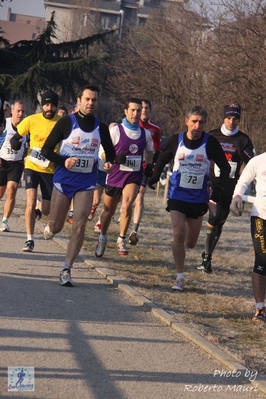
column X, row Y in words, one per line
column 38, row 170
column 79, row 136
column 188, row 196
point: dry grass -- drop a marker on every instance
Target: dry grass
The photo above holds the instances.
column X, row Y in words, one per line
column 218, row 306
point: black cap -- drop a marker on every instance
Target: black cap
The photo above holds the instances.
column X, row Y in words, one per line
column 49, row 97
column 232, row 110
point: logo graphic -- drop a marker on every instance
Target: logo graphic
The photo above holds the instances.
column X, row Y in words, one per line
column 20, row 379
column 133, row 148
column 199, row 158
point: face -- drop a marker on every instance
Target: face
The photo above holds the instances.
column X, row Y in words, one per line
column 88, row 102
column 133, row 113
column 48, row 110
column 195, row 125
column 231, row 122
column 7, row 111
column 18, row 113
column 145, row 112
column 61, row 113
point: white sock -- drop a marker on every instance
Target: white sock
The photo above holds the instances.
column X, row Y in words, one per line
column 29, row 237
column 180, row 275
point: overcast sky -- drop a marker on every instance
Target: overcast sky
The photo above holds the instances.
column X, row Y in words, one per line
column 25, row 7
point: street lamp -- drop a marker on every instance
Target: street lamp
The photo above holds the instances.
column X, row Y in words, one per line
column 121, row 12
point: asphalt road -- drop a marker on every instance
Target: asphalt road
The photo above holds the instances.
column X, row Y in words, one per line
column 97, row 340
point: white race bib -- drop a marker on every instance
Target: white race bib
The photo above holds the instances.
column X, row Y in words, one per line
column 84, row 164
column 233, row 165
column 133, row 164
column 191, row 181
column 37, row 158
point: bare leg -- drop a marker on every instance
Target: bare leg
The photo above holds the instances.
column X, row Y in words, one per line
column 82, row 202
column 11, row 191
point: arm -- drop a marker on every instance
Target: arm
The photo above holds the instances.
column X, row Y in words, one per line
column 107, row 144
column 60, row 131
column 248, row 151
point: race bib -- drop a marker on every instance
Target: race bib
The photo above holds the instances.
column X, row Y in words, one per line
column 37, row 158
column 191, row 181
column 84, row 164
column 133, row 164
column 233, row 165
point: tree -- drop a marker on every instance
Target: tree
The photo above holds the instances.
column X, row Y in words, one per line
column 28, row 67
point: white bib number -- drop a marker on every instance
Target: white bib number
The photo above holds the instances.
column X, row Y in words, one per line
column 133, row 164
column 192, row 181
column 232, row 172
column 84, row 164
column 37, row 158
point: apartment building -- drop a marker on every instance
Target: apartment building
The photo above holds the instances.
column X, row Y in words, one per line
column 73, row 17
column 21, row 27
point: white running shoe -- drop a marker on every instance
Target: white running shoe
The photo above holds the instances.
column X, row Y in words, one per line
column 121, row 246
column 47, row 234
column 179, row 284
column 65, row 278
column 4, row 227
column 99, row 251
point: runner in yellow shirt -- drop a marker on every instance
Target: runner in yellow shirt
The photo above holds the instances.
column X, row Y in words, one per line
column 38, row 169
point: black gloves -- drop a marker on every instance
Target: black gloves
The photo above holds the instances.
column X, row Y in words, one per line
column 216, row 194
column 121, row 158
column 155, row 156
column 15, row 144
column 148, row 170
column 152, row 180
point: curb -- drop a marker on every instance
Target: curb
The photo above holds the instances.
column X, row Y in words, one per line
column 232, row 364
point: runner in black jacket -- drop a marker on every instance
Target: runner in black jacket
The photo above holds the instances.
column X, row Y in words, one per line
column 238, row 150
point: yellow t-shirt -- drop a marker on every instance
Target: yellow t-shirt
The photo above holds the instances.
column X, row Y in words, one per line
column 39, row 129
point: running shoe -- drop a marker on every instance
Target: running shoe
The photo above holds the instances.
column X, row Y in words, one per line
column 29, row 246
column 70, row 219
column 206, row 266
column 38, row 214
column 4, row 226
column 47, row 234
column 121, row 246
column 65, row 278
column 179, row 284
column 97, row 228
column 260, row 316
column 92, row 214
column 99, row 251
column 133, row 238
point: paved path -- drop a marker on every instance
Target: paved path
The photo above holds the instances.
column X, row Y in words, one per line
column 100, row 339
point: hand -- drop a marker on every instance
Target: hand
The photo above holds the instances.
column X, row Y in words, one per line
column 148, row 170
column 152, row 180
column 15, row 144
column 70, row 162
column 121, row 158
column 108, row 167
column 236, row 206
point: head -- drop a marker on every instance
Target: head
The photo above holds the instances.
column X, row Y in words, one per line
column 145, row 110
column 62, row 111
column 133, row 110
column 17, row 112
column 87, row 99
column 195, row 120
column 74, row 108
column 7, row 109
column 49, row 101
column 232, row 114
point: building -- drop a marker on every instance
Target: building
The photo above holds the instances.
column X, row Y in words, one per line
column 21, row 27
column 74, row 17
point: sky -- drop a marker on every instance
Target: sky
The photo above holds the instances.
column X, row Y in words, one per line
column 33, row 8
